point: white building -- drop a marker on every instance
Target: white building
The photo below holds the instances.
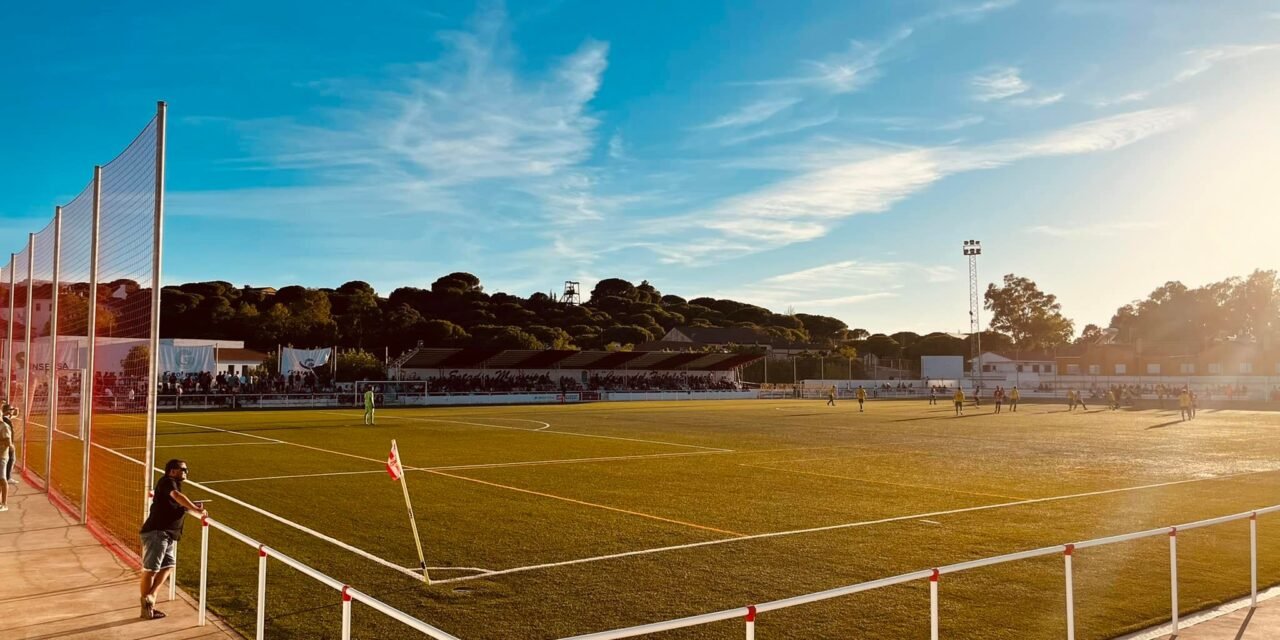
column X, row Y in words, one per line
column 1018, row 369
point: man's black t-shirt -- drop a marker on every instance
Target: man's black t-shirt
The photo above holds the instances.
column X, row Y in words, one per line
column 166, row 514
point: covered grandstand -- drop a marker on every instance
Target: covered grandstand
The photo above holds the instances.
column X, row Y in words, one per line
column 462, row 370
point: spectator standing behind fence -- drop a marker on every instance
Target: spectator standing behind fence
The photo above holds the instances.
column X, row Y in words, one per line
column 6, row 454
column 161, row 532
column 7, row 412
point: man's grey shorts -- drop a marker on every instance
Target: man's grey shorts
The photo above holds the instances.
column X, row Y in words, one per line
column 158, row 551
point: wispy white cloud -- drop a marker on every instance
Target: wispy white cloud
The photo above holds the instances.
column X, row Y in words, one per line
column 789, row 127
column 998, row 84
column 843, row 72
column 840, row 286
column 1037, row 101
column 971, row 11
column 807, row 206
column 1096, row 230
column 753, row 113
column 1198, row 62
column 960, row 123
column 1133, row 96
column 435, row 135
column 1201, row 60
column 617, row 148
column 1006, row 85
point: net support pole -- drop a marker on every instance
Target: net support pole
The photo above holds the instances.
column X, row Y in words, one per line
column 52, row 393
column 1173, row 579
column 346, row 614
column 204, row 570
column 153, row 352
column 933, row 605
column 26, row 355
column 261, row 627
column 1253, row 560
column 1067, row 554
column 86, row 400
column 8, row 336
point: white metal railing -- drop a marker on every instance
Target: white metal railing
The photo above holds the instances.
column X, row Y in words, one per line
column 346, row 592
column 748, row 614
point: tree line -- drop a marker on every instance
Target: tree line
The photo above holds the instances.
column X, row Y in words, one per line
column 456, row 311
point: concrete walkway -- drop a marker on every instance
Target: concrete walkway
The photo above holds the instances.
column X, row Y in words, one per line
column 1243, row 624
column 57, row 581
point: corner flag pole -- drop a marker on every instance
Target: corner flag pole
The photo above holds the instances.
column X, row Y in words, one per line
column 413, row 522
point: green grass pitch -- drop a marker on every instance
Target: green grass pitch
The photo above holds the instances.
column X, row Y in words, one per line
column 549, row 521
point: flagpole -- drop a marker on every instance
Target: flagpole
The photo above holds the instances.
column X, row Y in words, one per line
column 412, row 520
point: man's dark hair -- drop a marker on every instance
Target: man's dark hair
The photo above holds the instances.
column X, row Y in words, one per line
column 173, row 464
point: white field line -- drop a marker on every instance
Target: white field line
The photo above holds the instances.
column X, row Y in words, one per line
column 584, row 503
column 534, row 463
column 214, row 444
column 847, row 525
column 263, row 512
column 447, row 475
column 300, row 475
column 889, row 484
column 289, row 523
column 276, row 441
column 542, row 430
column 494, row 465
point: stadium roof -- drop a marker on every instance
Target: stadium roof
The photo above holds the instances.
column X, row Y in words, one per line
column 468, row 358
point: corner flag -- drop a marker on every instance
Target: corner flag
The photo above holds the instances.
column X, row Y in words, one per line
column 393, row 463
column 397, row 473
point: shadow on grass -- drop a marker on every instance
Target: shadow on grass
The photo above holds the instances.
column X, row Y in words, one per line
column 1164, row 424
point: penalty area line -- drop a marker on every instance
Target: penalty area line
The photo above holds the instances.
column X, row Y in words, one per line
column 542, row 430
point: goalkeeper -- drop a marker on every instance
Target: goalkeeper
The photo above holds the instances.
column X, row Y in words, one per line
column 368, row 405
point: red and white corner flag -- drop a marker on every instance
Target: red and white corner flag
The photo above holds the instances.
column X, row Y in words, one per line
column 397, row 473
column 393, row 463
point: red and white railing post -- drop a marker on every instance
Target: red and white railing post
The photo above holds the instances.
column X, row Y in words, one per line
column 1067, row 553
column 346, row 613
column 173, row 576
column 933, row 605
column 751, row 622
column 1173, row 578
column 262, row 591
column 1253, row 560
column 204, row 568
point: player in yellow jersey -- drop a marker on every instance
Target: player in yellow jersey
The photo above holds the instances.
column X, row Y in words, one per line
column 1014, row 396
column 862, row 397
column 1184, row 404
column 959, row 400
column 831, row 396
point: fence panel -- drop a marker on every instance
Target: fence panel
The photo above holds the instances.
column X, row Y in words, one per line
column 121, row 340
column 20, row 342
column 67, row 362
column 36, row 355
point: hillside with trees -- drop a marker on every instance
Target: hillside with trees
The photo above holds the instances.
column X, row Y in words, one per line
column 457, row 311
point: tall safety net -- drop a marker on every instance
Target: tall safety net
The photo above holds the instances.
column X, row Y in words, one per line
column 39, row 316
column 68, row 366
column 122, row 340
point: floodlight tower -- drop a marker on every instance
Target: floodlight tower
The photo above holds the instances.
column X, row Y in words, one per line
column 973, row 249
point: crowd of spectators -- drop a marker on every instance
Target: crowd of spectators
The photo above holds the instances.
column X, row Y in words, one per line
column 508, row 382
column 227, row 383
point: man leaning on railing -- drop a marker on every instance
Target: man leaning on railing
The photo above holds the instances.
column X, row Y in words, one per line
column 161, row 532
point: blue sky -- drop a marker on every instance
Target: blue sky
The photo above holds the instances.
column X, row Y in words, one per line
column 827, row 157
